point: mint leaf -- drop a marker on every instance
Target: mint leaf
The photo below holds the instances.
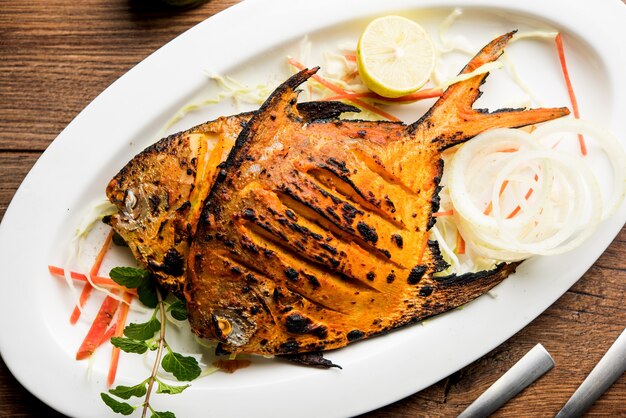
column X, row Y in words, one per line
column 183, row 368
column 126, row 392
column 169, row 389
column 178, row 310
column 117, row 406
column 143, row 331
column 130, row 346
column 166, row 414
column 129, row 277
column 147, row 294
column 118, row 240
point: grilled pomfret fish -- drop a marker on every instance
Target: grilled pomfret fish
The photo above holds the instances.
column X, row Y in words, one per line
column 160, row 192
column 315, row 234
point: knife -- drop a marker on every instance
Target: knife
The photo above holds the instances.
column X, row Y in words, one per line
column 607, row 371
column 528, row 369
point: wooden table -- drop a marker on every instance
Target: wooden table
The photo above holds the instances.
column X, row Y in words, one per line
column 58, row 55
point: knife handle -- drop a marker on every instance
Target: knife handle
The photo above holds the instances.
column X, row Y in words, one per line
column 528, row 369
column 607, row 371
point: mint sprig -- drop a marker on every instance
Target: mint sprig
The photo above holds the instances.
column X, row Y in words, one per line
column 141, row 337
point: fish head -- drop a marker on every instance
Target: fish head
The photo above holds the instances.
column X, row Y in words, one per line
column 152, row 194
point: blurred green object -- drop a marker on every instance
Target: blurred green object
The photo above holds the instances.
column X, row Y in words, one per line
column 184, row 3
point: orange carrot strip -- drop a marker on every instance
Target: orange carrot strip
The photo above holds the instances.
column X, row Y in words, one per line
column 350, row 57
column 489, row 207
column 98, row 280
column 570, row 89
column 98, row 328
column 119, row 331
column 446, row 213
column 107, row 335
column 84, row 295
column 350, row 76
column 460, row 244
column 418, row 95
column 341, row 91
column 518, row 208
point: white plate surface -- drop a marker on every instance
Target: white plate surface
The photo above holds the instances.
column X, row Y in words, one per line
column 251, row 40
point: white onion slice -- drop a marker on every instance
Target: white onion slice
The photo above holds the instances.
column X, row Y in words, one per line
column 563, row 208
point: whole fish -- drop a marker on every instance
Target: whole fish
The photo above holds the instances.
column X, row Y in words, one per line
column 160, row 192
column 315, row 233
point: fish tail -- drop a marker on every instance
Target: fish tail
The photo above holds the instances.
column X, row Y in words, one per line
column 454, row 120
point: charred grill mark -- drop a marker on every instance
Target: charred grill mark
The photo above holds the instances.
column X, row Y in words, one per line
column 369, row 233
column 289, row 346
column 425, row 291
column 389, row 178
column 391, row 277
column 340, row 165
column 295, row 323
column 397, row 239
column 353, row 202
column 291, row 274
column 322, row 267
column 249, row 214
column 355, row 335
column 390, row 204
column 416, row 274
column 439, row 263
column 329, row 248
column 339, row 232
column 312, row 280
column 434, row 203
column 173, row 263
column 349, row 212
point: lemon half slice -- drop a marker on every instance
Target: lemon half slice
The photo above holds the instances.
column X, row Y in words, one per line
column 395, row 56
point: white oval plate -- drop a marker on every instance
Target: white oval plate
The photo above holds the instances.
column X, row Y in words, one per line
column 251, row 39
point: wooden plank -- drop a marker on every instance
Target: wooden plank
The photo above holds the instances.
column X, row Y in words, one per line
column 58, row 55
column 13, row 168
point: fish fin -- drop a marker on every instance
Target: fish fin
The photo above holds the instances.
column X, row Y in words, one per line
column 452, row 119
column 315, row 359
column 457, row 290
column 324, row 111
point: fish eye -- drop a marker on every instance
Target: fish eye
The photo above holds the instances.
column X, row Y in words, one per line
column 224, row 326
column 130, row 201
column 232, row 328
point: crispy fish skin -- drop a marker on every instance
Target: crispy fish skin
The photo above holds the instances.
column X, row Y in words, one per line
column 315, row 234
column 160, row 192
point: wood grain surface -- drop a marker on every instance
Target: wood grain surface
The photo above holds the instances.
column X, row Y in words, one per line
column 58, row 55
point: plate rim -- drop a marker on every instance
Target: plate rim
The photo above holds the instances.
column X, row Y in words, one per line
column 131, row 80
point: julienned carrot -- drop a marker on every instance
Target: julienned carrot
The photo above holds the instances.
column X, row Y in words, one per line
column 350, row 57
column 460, row 244
column 119, row 330
column 350, row 76
column 340, row 91
column 418, row 95
column 98, row 328
column 445, row 213
column 518, row 208
column 570, row 89
column 109, row 333
column 97, row 280
column 84, row 295
column 95, row 269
